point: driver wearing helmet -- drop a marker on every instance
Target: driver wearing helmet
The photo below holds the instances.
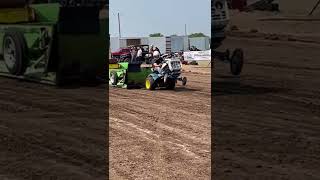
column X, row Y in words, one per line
column 157, row 49
column 157, row 61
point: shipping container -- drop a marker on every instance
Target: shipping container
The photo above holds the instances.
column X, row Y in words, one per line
column 202, row 43
column 114, row 44
column 159, row 42
column 179, row 43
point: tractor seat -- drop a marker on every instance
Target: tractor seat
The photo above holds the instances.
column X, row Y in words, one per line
column 154, row 71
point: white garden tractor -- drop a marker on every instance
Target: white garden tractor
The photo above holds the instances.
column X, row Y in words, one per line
column 220, row 20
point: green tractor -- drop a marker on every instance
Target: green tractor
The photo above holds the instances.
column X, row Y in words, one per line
column 128, row 75
column 56, row 43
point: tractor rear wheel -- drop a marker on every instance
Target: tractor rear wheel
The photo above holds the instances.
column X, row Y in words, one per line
column 150, row 83
column 15, row 52
column 171, row 84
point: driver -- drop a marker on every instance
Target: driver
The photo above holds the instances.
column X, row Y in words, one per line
column 157, row 49
column 157, row 61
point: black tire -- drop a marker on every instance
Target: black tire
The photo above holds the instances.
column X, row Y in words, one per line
column 171, row 84
column 20, row 49
column 113, row 78
column 184, row 81
column 236, row 62
column 68, row 74
column 60, row 78
column 152, row 83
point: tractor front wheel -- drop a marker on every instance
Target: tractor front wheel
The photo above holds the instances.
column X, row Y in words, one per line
column 236, row 62
column 184, row 81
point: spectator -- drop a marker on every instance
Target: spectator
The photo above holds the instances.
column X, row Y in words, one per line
column 139, row 54
column 150, row 51
column 133, row 54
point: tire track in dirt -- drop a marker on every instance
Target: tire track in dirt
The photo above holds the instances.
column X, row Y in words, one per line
column 165, row 134
column 48, row 132
column 267, row 120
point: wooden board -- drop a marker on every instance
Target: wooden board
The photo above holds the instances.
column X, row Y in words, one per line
column 16, row 15
column 114, row 66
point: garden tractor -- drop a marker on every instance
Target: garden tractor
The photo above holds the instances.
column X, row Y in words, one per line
column 58, row 43
column 168, row 77
column 220, row 20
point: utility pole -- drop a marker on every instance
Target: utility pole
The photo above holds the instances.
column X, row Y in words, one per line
column 186, row 34
column 119, row 25
column 185, row 29
column 314, row 8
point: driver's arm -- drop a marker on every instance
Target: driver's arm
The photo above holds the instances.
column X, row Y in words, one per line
column 156, row 65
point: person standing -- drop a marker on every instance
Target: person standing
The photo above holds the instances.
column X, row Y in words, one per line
column 139, row 54
column 151, row 50
column 133, row 54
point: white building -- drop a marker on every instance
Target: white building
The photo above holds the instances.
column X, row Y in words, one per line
column 165, row 44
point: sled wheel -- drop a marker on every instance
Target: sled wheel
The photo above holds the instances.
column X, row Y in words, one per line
column 113, row 79
column 15, row 52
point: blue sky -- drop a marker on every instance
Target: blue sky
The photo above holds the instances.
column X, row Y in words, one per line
column 143, row 17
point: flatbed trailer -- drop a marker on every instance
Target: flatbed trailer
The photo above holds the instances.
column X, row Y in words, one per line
column 128, row 75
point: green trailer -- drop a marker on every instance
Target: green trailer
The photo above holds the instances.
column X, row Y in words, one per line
column 127, row 75
column 53, row 43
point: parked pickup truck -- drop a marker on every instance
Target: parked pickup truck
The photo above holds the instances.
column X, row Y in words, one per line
column 123, row 53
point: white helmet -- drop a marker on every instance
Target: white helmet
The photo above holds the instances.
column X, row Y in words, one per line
column 156, row 54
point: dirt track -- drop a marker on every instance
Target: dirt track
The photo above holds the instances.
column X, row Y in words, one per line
column 161, row 134
column 267, row 121
column 51, row 133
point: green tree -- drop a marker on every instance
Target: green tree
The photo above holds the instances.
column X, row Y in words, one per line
column 156, row 35
column 193, row 35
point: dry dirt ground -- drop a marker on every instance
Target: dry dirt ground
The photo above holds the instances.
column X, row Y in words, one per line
column 162, row 134
column 291, row 22
column 267, row 121
column 50, row 133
